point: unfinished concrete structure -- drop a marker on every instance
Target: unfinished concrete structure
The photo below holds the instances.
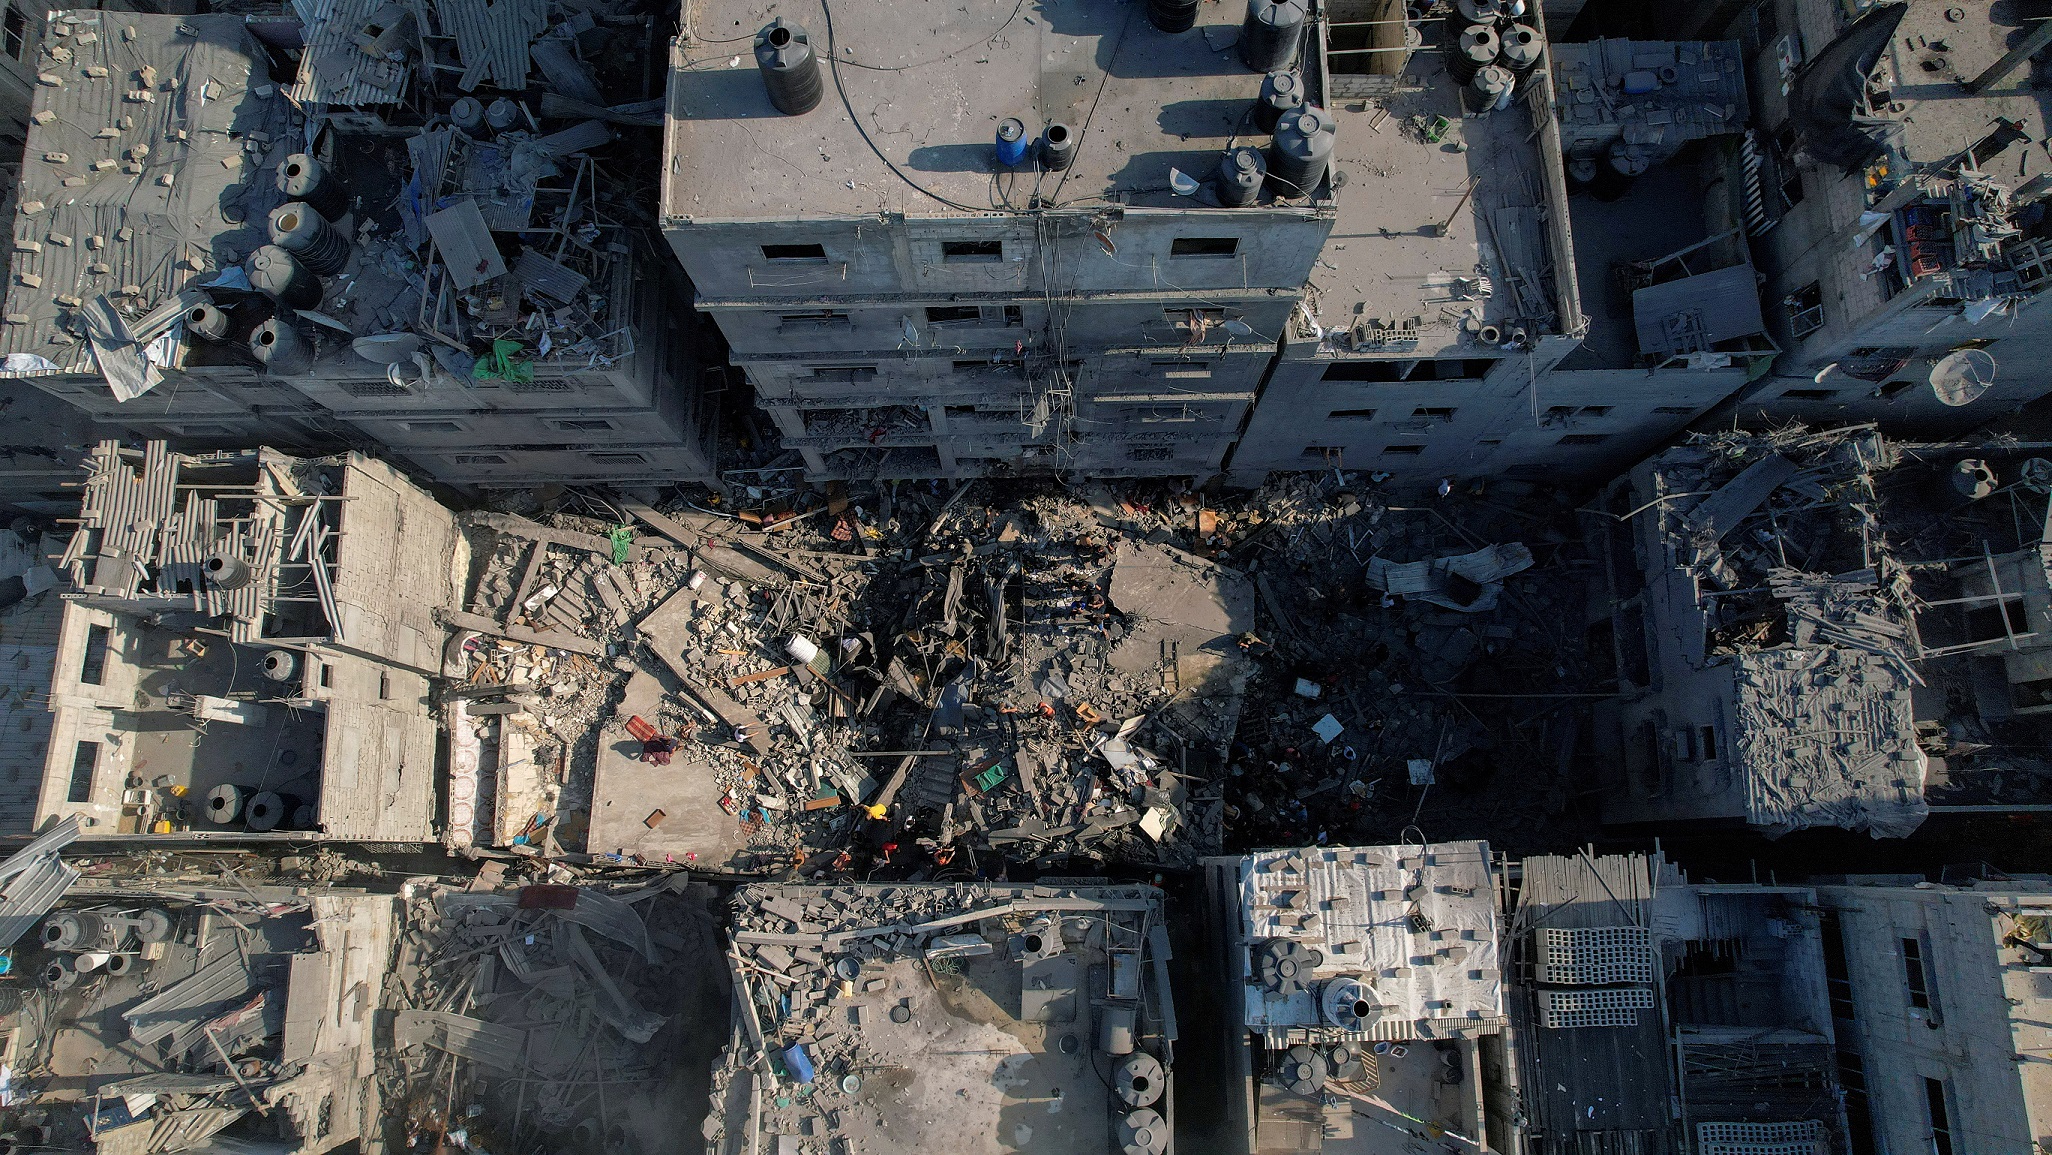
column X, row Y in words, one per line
column 1937, row 994
column 1658, row 1015
column 929, row 1017
column 487, row 316
column 166, row 1016
column 1894, row 193
column 244, row 650
column 907, row 305
column 1366, row 992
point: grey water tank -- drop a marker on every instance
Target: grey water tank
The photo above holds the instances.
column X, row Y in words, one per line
column 1474, row 49
column 1143, row 1132
column 280, row 665
column 1057, row 147
column 1490, row 89
column 1521, row 49
column 502, row 114
column 74, row 930
column 1240, row 173
column 1272, row 33
column 1115, row 1029
column 1280, row 92
column 225, row 570
column 468, row 115
column 1628, row 159
column 283, row 348
column 789, row 67
column 302, row 178
column 299, row 230
column 207, row 322
column 1172, row 15
column 278, row 275
column 1301, row 151
column 1141, row 1080
column 224, row 803
column 264, row 812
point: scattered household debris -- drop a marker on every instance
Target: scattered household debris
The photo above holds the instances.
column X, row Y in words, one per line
column 917, row 1017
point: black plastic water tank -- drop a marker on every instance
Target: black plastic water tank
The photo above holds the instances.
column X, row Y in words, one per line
column 1462, row 13
column 299, row 230
column 1271, row 34
column 302, row 178
column 790, row 69
column 1301, row 151
column 1474, row 49
column 1240, row 173
column 1172, row 15
column 284, row 350
column 1057, row 147
column 278, row 275
column 1280, row 92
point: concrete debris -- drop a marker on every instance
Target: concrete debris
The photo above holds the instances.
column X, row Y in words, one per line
column 928, row 1016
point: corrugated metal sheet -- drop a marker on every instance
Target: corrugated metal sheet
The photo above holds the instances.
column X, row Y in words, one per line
column 489, row 1043
column 1698, row 312
column 492, row 38
column 185, row 1005
column 139, row 520
column 333, row 70
column 35, row 879
column 549, row 278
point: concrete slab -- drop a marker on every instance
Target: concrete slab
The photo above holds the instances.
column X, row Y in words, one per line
column 627, row 790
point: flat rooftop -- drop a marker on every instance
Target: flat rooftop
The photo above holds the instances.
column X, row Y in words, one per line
column 1925, row 71
column 931, row 84
column 1430, row 199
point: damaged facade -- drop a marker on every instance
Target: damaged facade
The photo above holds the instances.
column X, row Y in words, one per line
column 478, row 297
column 1894, row 189
column 241, row 644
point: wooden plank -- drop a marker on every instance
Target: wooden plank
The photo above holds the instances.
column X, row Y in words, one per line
column 459, row 620
column 763, row 676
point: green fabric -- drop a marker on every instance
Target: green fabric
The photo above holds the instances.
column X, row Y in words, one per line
column 622, row 537
column 503, row 363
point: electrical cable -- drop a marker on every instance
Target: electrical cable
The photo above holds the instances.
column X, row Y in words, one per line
column 834, row 68
column 1083, row 133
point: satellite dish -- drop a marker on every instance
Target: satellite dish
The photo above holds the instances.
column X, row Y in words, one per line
column 1182, row 183
column 1239, row 328
column 1960, row 378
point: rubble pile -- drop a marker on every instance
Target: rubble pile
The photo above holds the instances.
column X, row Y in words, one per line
column 542, row 1012
column 925, row 682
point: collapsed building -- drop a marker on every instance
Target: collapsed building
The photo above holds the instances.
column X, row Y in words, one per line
column 718, row 693
column 1366, row 993
column 163, row 1016
column 948, row 1017
column 235, row 645
column 1657, row 1014
column 1822, row 629
column 371, row 251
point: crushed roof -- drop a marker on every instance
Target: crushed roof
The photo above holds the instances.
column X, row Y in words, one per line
column 148, row 167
